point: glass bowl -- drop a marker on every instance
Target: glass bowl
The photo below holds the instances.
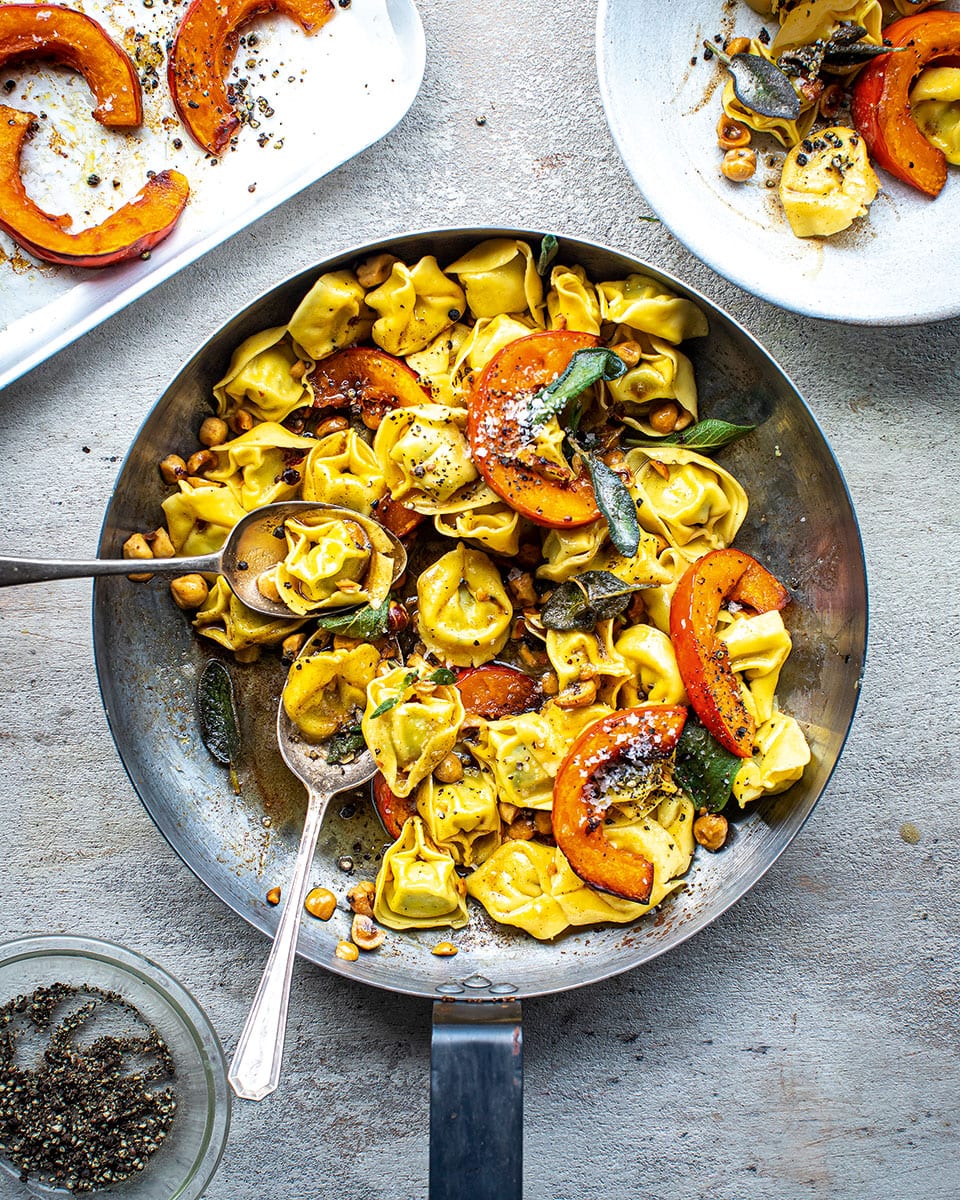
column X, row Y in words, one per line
column 186, row 1161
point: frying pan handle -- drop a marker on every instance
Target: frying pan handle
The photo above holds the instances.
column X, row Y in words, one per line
column 476, row 1101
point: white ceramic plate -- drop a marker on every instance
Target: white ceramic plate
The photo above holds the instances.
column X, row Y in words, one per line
column 327, row 97
column 890, row 268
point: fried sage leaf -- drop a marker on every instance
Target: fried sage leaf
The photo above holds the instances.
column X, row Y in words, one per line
column 584, row 369
column 217, row 711
column 442, row 675
column 586, row 599
column 392, row 701
column 549, row 248
column 760, row 85
column 345, row 745
column 704, row 769
column 616, row 504
column 366, row 624
column 704, row 436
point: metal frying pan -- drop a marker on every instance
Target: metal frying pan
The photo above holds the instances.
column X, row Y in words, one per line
column 800, row 521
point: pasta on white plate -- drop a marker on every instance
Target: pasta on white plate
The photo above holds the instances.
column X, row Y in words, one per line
column 530, row 688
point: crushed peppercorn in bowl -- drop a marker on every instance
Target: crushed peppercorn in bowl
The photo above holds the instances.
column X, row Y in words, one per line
column 112, row 1079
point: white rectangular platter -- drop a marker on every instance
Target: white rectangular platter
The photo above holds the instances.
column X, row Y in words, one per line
column 314, row 103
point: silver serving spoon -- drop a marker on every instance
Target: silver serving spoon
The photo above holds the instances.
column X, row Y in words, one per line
column 253, row 546
column 255, row 1070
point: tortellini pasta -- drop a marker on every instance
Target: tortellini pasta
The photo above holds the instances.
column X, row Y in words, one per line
column 333, row 562
column 418, row 886
column 199, row 518
column 331, row 315
column 410, row 725
column 463, row 818
column 758, row 647
column 572, row 301
column 424, row 456
column 258, row 467
column 662, row 373
column 827, row 183
column 342, row 469
column 654, row 677
column 415, row 304
column 689, row 501
column 650, row 307
column 325, row 688
column 579, row 656
column 496, row 526
column 815, row 20
column 788, row 132
column 225, row 619
column 935, row 106
column 464, row 610
column 265, row 376
column 500, row 276
column 437, row 365
column 782, row 753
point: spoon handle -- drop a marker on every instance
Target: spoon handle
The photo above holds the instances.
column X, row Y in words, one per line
column 35, row 570
column 255, row 1070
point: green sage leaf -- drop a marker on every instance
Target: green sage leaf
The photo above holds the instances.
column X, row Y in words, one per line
column 584, row 369
column 366, row 624
column 705, row 436
column 392, row 701
column 549, row 248
column 616, row 504
column 760, row 85
column 216, row 709
column 443, row 675
column 704, row 769
column 585, row 599
column 345, row 745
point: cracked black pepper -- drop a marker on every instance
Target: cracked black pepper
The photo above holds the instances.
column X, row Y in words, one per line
column 84, row 1115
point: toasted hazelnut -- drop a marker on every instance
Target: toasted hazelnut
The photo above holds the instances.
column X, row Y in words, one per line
column 628, row 352
column 398, row 618
column 173, row 468
column 201, row 461
column 543, row 823
column 332, row 425
column 710, row 829
column 189, row 591
column 445, row 949
column 522, row 829
column 342, row 642
column 298, row 370
column 247, row 654
column 737, row 45
column 347, row 951
column 159, row 542
column 320, row 903
column 214, row 431
column 663, row 417
column 549, row 683
column 273, row 896
column 375, row 270
column 731, row 134
column 136, row 546
column 242, row 421
column 267, row 587
column 508, row 811
column 366, row 934
column 360, row 897
column 578, row 694
column 449, row 769
column 739, row 165
column 291, row 646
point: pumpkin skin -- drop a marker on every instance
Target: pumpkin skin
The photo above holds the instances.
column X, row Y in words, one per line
column 203, row 52
column 127, row 233
column 31, row 31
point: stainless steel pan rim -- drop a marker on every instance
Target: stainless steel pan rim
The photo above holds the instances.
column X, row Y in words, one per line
column 801, row 522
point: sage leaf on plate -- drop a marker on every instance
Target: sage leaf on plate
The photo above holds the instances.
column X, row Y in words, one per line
column 549, row 248
column 705, row 769
column 345, row 745
column 217, row 712
column 760, row 85
column 616, row 504
column 366, row 624
column 706, row 436
column 584, row 369
column 585, row 599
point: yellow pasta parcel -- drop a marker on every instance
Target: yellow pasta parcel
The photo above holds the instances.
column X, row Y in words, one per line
column 225, row 619
column 410, row 725
column 649, row 306
column 417, row 885
column 266, row 375
column 257, row 465
column 342, row 469
column 414, row 305
column 327, row 688
column 464, row 613
column 331, row 315
column 572, row 301
column 425, row 459
column 500, row 276
column 462, row 818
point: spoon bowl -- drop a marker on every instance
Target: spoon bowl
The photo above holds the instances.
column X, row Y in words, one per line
column 254, row 545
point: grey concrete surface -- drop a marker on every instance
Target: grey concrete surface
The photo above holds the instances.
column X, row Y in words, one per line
column 805, row 1045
